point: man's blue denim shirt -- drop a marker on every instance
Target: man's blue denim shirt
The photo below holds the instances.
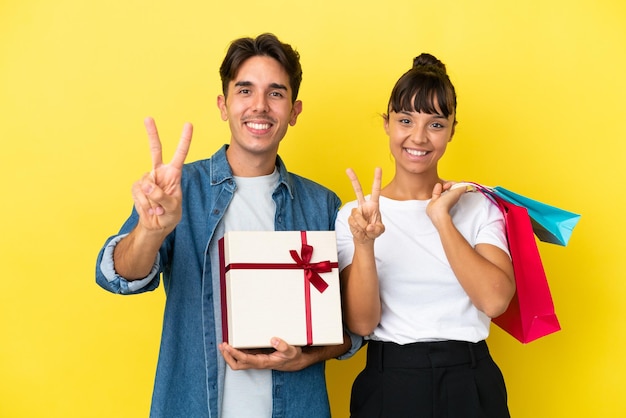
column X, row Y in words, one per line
column 190, row 371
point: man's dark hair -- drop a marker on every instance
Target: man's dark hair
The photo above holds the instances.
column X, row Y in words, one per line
column 267, row 45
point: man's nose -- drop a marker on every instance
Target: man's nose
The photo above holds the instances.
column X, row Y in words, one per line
column 261, row 103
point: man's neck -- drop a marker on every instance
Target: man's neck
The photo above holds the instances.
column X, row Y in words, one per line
column 251, row 165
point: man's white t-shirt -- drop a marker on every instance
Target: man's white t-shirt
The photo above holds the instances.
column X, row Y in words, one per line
column 248, row 393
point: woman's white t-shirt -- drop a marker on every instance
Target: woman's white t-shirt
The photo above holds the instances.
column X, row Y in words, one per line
column 421, row 297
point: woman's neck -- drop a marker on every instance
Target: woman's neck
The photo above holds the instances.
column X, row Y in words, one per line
column 410, row 188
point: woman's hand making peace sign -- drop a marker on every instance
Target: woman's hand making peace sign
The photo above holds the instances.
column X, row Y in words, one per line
column 365, row 220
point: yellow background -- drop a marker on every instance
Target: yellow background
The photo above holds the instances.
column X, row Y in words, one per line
column 541, row 87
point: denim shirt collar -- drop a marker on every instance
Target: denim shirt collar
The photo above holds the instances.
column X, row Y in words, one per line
column 220, row 170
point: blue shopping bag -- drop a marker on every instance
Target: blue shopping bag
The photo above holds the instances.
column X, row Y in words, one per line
column 550, row 224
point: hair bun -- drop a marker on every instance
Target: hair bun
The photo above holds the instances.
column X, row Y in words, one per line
column 428, row 60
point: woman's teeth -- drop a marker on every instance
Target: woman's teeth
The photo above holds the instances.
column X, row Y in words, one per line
column 416, row 152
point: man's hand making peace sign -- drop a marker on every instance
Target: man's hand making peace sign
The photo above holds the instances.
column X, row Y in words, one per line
column 158, row 201
column 158, row 195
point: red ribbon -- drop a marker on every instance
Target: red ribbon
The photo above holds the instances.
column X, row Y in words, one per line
column 311, row 270
column 311, row 275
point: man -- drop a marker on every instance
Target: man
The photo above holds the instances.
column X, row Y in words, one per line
column 180, row 213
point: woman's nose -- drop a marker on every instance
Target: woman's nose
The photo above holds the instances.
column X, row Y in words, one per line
column 418, row 136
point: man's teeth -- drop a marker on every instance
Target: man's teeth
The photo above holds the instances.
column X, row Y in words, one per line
column 416, row 152
column 258, row 125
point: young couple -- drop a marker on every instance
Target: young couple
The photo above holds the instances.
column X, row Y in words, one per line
column 423, row 265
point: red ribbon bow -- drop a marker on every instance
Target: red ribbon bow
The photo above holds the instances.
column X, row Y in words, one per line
column 311, row 270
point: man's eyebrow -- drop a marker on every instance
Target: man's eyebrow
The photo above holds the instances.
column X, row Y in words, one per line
column 244, row 83
column 278, row 86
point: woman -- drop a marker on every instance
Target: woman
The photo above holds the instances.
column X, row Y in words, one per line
column 424, row 268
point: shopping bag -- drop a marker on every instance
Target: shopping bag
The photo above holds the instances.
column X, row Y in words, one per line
column 550, row 224
column 530, row 314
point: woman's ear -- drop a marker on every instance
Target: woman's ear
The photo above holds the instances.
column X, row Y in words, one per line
column 453, row 130
column 386, row 123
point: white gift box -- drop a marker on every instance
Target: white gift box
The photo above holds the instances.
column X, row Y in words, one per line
column 271, row 287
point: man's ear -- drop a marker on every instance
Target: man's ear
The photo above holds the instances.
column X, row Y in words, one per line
column 296, row 109
column 221, row 105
